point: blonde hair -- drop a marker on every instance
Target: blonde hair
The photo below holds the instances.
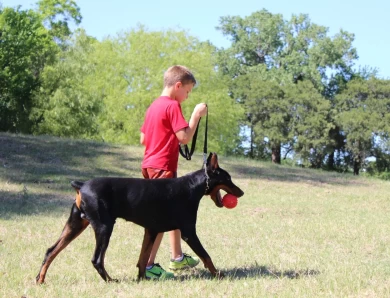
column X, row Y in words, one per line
column 178, row 73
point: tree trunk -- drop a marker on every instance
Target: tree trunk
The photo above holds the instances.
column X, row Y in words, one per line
column 331, row 161
column 276, row 154
column 356, row 165
column 251, row 144
column 319, row 160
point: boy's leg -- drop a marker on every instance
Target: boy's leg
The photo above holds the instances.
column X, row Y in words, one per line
column 175, row 241
column 179, row 260
column 155, row 271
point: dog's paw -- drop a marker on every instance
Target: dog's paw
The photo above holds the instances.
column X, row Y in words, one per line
column 39, row 280
column 219, row 275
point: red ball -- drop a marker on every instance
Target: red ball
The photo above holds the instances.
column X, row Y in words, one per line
column 229, row 201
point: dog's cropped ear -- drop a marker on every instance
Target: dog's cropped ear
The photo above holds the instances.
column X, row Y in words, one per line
column 209, row 159
column 212, row 161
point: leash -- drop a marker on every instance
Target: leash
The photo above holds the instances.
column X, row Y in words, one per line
column 187, row 154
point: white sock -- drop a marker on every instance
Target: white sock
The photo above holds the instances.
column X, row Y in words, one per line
column 149, row 267
column 179, row 259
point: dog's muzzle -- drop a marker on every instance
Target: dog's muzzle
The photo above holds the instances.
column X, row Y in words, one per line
column 215, row 194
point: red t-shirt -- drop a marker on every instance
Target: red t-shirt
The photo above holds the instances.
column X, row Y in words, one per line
column 163, row 119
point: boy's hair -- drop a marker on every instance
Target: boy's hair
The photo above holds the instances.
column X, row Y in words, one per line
column 178, row 73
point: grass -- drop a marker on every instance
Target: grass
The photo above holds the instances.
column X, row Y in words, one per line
column 295, row 233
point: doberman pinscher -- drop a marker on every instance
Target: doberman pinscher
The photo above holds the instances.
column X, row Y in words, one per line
column 158, row 205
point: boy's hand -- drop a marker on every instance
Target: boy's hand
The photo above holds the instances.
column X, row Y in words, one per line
column 201, row 109
column 185, row 135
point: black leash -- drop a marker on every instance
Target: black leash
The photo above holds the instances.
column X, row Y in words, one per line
column 188, row 153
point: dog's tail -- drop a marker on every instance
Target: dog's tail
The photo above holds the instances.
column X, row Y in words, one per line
column 77, row 185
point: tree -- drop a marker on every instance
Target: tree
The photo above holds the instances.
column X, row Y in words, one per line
column 68, row 103
column 25, row 48
column 363, row 115
column 267, row 112
column 294, row 115
column 309, row 128
column 56, row 15
column 289, row 51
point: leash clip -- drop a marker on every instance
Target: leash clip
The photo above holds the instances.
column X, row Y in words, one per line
column 204, row 159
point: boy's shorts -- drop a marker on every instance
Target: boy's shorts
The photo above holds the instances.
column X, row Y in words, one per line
column 150, row 173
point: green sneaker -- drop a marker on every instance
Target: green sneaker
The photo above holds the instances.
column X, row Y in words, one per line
column 187, row 262
column 157, row 272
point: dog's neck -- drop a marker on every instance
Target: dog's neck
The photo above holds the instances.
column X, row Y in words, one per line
column 199, row 181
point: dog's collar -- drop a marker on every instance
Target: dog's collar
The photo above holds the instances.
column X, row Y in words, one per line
column 207, row 179
column 205, row 171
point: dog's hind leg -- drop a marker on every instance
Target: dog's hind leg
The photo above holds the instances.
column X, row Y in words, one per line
column 190, row 237
column 74, row 227
column 147, row 244
column 103, row 231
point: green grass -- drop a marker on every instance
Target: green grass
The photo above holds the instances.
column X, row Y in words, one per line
column 295, row 233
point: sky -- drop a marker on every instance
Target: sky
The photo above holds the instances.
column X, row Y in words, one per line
column 368, row 20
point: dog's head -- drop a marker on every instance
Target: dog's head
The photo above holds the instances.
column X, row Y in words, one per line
column 219, row 179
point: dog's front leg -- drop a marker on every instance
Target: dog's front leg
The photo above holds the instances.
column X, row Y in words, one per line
column 147, row 244
column 190, row 237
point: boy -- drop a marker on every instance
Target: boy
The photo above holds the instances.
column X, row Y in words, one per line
column 163, row 129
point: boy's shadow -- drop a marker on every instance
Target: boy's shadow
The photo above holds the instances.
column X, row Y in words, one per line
column 254, row 271
column 264, row 271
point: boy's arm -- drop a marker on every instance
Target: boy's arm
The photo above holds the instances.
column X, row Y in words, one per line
column 185, row 135
column 142, row 139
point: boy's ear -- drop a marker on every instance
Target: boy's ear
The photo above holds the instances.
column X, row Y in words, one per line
column 178, row 85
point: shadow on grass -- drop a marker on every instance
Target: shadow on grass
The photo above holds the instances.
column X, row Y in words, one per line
column 252, row 272
column 32, row 159
column 264, row 271
column 23, row 203
column 287, row 174
column 35, row 172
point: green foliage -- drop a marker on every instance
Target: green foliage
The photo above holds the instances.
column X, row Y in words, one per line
column 363, row 114
column 380, row 167
column 101, row 90
column 69, row 102
column 267, row 107
column 294, row 114
column 56, row 14
column 25, row 48
column 309, row 127
column 271, row 54
column 299, row 47
column 255, row 39
column 137, row 60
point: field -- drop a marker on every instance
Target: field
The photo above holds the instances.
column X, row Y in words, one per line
column 295, row 233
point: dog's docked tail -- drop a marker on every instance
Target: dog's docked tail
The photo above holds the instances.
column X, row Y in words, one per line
column 77, row 185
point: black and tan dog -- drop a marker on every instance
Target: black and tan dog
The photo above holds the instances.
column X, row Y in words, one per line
column 158, row 205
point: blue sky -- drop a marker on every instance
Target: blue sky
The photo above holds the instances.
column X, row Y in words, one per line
column 368, row 20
